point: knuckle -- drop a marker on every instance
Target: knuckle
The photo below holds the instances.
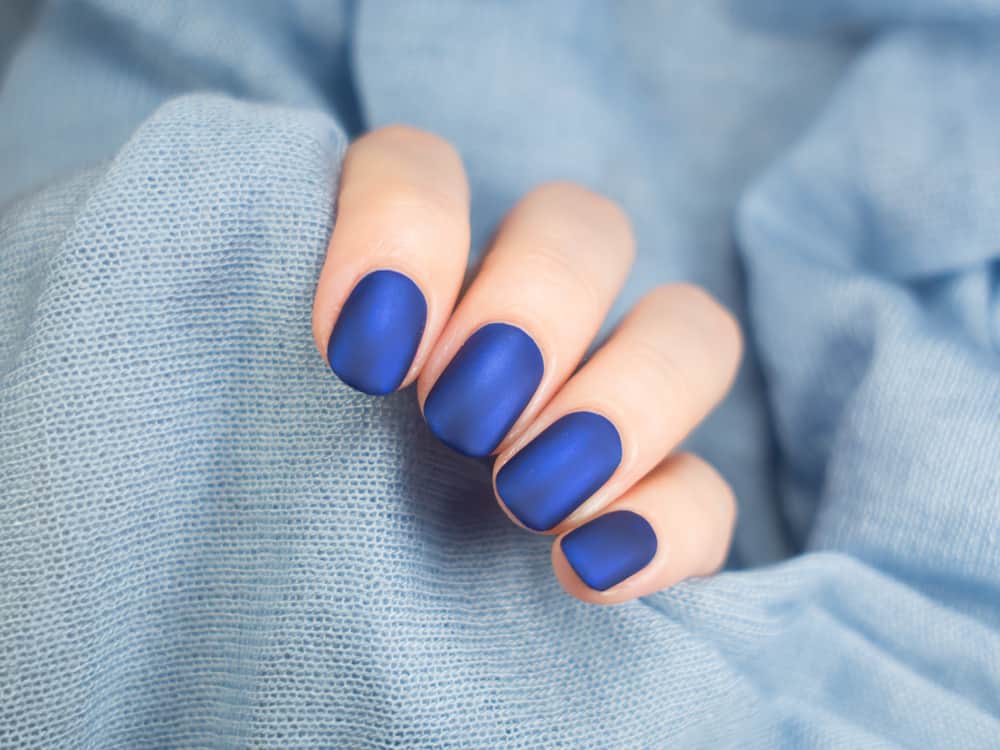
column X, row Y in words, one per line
column 573, row 236
column 410, row 136
column 410, row 161
column 399, row 203
column 557, row 268
column 682, row 295
column 574, row 207
column 703, row 311
column 558, row 191
column 709, row 308
column 660, row 371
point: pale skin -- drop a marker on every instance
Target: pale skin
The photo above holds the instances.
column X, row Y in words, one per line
column 556, row 264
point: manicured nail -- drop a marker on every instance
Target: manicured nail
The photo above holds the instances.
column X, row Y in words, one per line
column 484, row 389
column 609, row 549
column 553, row 474
column 378, row 332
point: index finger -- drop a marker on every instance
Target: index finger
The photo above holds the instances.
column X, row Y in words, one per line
column 396, row 258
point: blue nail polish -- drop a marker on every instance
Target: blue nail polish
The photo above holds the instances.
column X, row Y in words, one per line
column 484, row 389
column 378, row 332
column 609, row 549
column 553, row 474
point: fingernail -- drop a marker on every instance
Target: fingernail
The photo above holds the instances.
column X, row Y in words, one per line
column 553, row 474
column 378, row 332
column 484, row 389
column 609, row 549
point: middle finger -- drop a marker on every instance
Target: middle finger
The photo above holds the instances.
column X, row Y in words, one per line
column 557, row 263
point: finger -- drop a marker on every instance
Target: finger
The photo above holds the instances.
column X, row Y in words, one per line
column 396, row 258
column 546, row 285
column 674, row 524
column 666, row 366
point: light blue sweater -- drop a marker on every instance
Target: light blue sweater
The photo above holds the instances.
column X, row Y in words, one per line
column 206, row 541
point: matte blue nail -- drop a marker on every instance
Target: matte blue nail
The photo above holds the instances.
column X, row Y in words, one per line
column 484, row 389
column 378, row 332
column 609, row 549
column 553, row 474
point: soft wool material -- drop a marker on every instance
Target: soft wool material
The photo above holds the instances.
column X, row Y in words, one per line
column 207, row 541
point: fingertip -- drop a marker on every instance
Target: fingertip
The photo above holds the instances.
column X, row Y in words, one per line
column 576, row 587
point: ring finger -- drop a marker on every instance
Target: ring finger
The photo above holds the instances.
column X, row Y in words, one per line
column 661, row 372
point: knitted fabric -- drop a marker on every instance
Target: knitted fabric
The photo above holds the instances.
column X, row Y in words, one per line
column 207, row 541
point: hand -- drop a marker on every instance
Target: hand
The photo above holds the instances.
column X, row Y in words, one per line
column 585, row 454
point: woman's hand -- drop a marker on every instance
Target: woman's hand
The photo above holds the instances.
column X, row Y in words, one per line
column 582, row 454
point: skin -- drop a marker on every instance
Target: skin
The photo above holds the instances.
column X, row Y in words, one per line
column 555, row 267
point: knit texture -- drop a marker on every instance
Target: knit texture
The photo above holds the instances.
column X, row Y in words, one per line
column 207, row 541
